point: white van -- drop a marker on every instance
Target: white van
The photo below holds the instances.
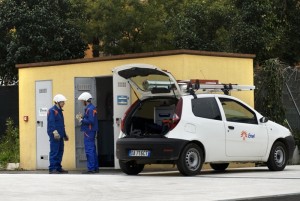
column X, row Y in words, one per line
column 167, row 126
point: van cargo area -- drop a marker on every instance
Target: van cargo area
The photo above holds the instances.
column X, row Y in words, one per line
column 149, row 118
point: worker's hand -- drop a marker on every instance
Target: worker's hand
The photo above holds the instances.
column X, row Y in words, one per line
column 56, row 135
column 66, row 138
column 79, row 117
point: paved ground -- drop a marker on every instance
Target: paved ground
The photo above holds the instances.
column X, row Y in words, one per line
column 109, row 185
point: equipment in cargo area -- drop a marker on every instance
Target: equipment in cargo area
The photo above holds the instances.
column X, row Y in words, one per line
column 162, row 113
column 150, row 84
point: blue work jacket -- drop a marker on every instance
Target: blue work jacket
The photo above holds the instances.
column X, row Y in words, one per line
column 55, row 120
column 89, row 120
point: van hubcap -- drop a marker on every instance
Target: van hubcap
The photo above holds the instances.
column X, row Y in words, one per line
column 279, row 156
column 192, row 159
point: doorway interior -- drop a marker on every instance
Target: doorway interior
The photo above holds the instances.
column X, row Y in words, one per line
column 105, row 139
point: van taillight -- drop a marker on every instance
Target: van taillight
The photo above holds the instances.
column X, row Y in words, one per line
column 122, row 123
column 125, row 115
column 177, row 114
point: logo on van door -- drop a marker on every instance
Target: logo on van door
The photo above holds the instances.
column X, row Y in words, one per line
column 245, row 134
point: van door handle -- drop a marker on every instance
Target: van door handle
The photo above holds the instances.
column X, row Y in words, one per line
column 231, row 127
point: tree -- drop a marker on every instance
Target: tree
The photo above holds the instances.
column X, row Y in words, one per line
column 37, row 31
column 128, row 26
column 258, row 27
column 7, row 71
column 291, row 40
column 202, row 25
column 269, row 93
column 269, row 29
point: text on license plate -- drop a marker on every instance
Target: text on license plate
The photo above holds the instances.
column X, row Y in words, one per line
column 144, row 153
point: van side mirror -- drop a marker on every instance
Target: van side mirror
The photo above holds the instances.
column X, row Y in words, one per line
column 263, row 119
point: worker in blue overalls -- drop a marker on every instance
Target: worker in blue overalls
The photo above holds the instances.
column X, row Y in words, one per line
column 57, row 134
column 89, row 127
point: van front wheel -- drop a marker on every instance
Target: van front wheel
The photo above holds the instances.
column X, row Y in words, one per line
column 191, row 160
column 278, row 157
column 131, row 167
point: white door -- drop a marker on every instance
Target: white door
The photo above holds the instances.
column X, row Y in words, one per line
column 246, row 140
column 43, row 100
column 122, row 101
column 245, row 137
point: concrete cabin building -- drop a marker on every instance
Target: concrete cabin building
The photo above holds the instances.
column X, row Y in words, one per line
column 39, row 82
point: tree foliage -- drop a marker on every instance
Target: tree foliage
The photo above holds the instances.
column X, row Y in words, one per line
column 268, row 29
column 129, row 26
column 269, row 93
column 258, row 28
column 291, row 41
column 202, row 25
column 36, row 31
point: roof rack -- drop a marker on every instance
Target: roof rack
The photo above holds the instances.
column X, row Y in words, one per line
column 202, row 86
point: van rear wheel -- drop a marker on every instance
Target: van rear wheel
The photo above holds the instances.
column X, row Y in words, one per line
column 131, row 167
column 191, row 160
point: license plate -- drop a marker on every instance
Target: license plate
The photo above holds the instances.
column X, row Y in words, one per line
column 142, row 153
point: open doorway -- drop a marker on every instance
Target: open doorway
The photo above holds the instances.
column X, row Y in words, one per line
column 105, row 139
column 112, row 98
column 101, row 88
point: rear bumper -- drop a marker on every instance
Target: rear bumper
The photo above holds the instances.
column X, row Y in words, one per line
column 161, row 149
column 290, row 141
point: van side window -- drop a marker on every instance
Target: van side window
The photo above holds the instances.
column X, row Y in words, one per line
column 206, row 108
column 237, row 112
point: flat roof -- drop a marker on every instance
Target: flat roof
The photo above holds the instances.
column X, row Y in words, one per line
column 136, row 55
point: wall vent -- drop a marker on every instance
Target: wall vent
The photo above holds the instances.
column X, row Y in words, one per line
column 84, row 87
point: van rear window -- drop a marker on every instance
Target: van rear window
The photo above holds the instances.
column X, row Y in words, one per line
column 206, row 108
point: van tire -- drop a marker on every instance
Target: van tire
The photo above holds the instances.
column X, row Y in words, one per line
column 191, row 160
column 278, row 157
column 131, row 167
column 219, row 166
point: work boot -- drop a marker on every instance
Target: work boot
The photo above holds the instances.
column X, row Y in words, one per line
column 62, row 171
column 54, row 172
column 88, row 172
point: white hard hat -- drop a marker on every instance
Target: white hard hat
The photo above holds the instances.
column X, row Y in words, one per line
column 59, row 97
column 85, row 96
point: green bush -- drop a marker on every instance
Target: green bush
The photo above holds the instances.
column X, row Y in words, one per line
column 297, row 137
column 9, row 144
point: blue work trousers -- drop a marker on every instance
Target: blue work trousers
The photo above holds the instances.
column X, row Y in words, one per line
column 90, row 150
column 56, row 154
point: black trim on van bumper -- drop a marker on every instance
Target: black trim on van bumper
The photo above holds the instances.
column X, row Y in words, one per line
column 290, row 141
column 161, row 149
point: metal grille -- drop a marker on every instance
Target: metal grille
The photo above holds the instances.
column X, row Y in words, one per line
column 41, row 91
column 84, row 87
column 121, row 84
